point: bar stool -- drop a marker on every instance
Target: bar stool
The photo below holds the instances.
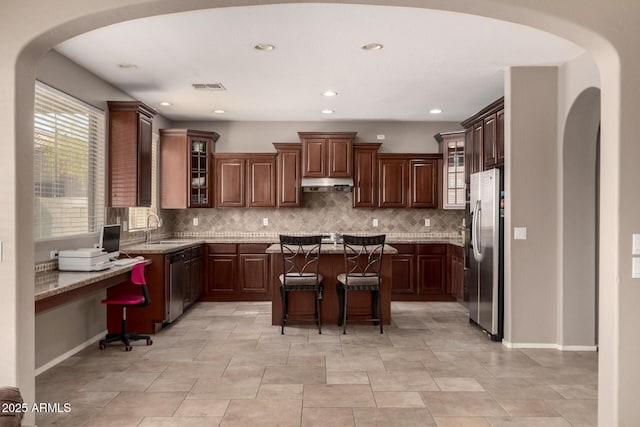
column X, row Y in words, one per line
column 300, row 271
column 363, row 272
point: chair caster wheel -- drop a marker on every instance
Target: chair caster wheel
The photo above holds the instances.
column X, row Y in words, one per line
column 149, row 341
column 102, row 346
column 128, row 348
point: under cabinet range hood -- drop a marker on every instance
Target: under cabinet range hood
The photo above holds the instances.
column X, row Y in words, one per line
column 325, row 185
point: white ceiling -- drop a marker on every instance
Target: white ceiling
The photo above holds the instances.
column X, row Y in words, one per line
column 430, row 59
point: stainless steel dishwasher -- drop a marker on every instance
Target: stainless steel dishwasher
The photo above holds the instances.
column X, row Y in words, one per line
column 175, row 296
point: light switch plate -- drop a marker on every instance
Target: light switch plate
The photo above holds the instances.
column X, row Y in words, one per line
column 427, row 222
column 195, row 221
column 265, row 221
column 519, row 233
column 375, row 222
column 635, row 268
column 635, row 245
column 380, row 137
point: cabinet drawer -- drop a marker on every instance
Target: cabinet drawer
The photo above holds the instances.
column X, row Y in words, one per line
column 404, row 248
column 431, row 249
column 252, row 248
column 221, row 248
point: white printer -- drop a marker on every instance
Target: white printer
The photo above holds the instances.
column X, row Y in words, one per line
column 83, row 259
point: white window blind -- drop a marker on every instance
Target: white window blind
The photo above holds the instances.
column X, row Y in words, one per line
column 69, row 143
column 138, row 216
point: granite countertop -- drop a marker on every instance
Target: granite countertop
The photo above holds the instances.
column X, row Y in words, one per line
column 187, row 240
column 54, row 282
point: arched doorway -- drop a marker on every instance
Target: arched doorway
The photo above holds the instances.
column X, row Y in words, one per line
column 32, row 43
column 580, row 213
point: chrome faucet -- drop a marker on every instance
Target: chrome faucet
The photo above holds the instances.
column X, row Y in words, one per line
column 147, row 230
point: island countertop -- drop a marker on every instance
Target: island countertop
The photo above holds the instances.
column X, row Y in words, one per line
column 330, row 248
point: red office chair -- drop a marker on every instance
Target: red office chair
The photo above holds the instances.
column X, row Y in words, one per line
column 137, row 278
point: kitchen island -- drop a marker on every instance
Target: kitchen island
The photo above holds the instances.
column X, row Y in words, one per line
column 301, row 304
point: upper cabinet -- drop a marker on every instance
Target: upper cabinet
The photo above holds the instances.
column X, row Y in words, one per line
column 484, row 146
column 185, row 169
column 453, row 169
column 130, row 129
column 245, row 180
column 327, row 155
column 289, row 179
column 408, row 180
column 365, row 175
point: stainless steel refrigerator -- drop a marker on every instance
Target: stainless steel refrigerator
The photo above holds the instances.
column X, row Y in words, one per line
column 486, row 253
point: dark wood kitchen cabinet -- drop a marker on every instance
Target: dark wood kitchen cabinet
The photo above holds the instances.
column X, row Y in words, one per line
column 327, row 155
column 365, row 175
column 185, row 168
column 422, row 272
column 409, row 180
column 484, row 138
column 193, row 275
column 455, row 261
column 289, row 177
column 393, row 181
column 130, row 130
column 230, row 181
column 431, row 261
column 245, row 180
column 261, row 181
column 423, row 183
column 403, row 270
column 237, row 272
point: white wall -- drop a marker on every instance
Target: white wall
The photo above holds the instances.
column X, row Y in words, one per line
column 578, row 127
column 531, row 175
column 251, row 137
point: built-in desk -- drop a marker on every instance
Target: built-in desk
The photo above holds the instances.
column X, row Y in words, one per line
column 302, row 304
column 54, row 287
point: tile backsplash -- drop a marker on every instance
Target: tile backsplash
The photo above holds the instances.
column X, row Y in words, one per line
column 320, row 212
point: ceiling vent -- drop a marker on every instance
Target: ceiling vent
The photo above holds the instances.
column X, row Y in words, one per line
column 208, row 86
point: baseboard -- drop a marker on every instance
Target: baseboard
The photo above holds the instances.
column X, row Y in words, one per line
column 578, row 347
column 70, row 353
column 550, row 346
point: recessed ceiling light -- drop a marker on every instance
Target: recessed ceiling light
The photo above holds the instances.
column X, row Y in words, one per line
column 435, row 111
column 219, row 111
column 372, row 46
column 264, row 47
column 128, row 66
column 327, row 111
column 165, row 104
column 329, row 93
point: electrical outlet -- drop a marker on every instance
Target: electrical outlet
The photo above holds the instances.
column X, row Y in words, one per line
column 125, row 226
column 195, row 222
column 53, row 254
column 519, row 233
column 427, row 222
column 375, row 222
column 265, row 221
column 380, row 137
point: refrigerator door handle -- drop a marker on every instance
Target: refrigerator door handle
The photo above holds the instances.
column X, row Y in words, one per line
column 477, row 254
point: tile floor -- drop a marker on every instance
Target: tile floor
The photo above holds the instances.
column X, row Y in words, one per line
column 224, row 364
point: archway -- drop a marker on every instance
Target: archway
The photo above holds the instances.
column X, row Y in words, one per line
column 578, row 308
column 30, row 42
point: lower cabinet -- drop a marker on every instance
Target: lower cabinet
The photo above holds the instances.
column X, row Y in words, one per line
column 422, row 272
column 456, row 272
column 193, row 275
column 237, row 272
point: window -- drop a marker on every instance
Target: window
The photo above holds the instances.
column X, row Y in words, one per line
column 138, row 216
column 69, row 142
